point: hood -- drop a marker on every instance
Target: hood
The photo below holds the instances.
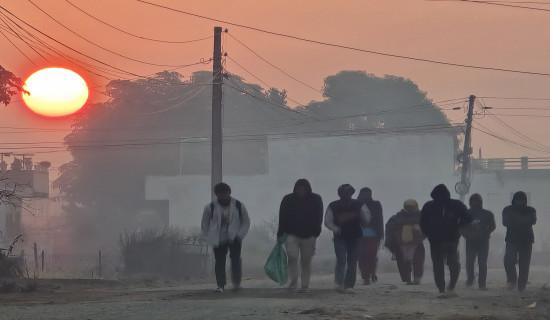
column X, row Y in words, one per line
column 476, row 197
column 440, row 193
column 518, row 196
column 304, row 183
column 364, row 195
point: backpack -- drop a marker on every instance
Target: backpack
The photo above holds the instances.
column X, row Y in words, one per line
column 237, row 204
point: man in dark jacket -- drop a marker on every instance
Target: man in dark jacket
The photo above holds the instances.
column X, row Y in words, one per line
column 372, row 235
column 345, row 218
column 300, row 218
column 440, row 221
column 518, row 219
column 477, row 235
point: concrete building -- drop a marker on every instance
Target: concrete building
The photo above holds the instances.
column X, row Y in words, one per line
column 397, row 166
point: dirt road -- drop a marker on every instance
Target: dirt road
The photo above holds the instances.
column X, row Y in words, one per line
column 262, row 299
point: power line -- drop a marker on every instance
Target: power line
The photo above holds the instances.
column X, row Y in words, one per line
column 131, row 34
column 16, row 47
column 497, row 3
column 172, row 107
column 240, row 138
column 494, row 135
column 516, row 98
column 97, row 45
column 293, row 78
column 518, row 133
column 68, row 47
column 19, row 36
column 328, row 44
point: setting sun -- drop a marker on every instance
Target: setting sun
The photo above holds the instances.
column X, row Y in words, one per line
column 55, row 92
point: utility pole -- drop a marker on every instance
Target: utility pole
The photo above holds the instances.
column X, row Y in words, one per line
column 216, row 176
column 463, row 187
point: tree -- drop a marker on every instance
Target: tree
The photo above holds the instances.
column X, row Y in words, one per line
column 365, row 101
column 9, row 85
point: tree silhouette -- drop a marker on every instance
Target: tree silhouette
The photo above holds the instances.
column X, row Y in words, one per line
column 365, row 101
column 9, row 85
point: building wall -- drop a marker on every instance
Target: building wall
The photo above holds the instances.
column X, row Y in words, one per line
column 396, row 167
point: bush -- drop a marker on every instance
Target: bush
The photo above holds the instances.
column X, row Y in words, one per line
column 163, row 252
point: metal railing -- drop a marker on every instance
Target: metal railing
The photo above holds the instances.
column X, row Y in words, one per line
column 523, row 163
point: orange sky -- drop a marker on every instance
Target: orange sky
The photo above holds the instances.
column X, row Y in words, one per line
column 458, row 32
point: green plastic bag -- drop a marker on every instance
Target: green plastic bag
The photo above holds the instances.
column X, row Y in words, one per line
column 276, row 266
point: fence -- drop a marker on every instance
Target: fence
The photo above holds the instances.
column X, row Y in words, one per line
column 523, row 163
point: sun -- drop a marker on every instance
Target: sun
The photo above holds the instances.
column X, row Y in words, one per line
column 55, row 92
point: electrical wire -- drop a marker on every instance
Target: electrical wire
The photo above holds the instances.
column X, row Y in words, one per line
column 328, row 44
column 68, row 47
column 134, row 35
column 100, row 46
column 497, row 3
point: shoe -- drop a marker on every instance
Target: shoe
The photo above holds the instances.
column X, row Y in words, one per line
column 236, row 287
column 469, row 283
column 409, row 283
column 349, row 291
column 416, row 281
column 219, row 289
column 483, row 288
column 340, row 289
column 303, row 290
column 374, row 278
column 451, row 294
column 442, row 295
column 512, row 285
column 366, row 282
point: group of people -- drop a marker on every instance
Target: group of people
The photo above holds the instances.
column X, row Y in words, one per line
column 358, row 230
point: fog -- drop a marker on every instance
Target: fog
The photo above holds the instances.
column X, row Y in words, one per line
column 141, row 163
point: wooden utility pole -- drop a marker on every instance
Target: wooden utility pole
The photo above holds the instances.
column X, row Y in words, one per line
column 463, row 187
column 216, row 176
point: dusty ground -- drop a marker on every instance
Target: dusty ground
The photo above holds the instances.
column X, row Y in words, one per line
column 262, row 299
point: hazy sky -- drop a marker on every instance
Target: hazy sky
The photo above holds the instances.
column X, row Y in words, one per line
column 451, row 31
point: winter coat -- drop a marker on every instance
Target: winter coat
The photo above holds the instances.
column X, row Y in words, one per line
column 519, row 221
column 346, row 218
column 301, row 216
column 481, row 227
column 238, row 226
column 403, row 228
column 442, row 217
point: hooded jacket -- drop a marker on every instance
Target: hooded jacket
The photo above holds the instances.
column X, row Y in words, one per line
column 442, row 217
column 482, row 224
column 519, row 221
column 301, row 216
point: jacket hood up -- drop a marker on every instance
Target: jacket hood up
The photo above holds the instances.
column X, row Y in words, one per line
column 476, row 197
column 303, row 183
column 440, row 193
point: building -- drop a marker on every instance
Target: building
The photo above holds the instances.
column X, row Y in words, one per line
column 397, row 166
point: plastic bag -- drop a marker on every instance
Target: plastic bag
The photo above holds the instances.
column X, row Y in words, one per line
column 276, row 266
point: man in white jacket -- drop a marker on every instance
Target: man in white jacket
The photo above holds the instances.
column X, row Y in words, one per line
column 225, row 223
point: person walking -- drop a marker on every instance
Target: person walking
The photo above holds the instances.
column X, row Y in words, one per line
column 225, row 223
column 477, row 234
column 345, row 218
column 518, row 219
column 405, row 241
column 373, row 233
column 300, row 218
column 441, row 219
